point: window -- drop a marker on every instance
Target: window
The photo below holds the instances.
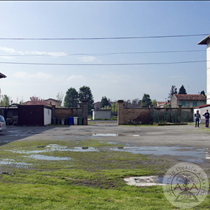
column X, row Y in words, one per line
column 183, row 103
column 194, row 103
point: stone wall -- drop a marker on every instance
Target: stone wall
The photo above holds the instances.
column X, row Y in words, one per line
column 136, row 116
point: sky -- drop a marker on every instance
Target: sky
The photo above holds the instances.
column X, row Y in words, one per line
column 102, row 19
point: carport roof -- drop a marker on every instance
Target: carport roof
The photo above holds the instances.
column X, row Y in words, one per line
column 205, row 40
column 2, row 75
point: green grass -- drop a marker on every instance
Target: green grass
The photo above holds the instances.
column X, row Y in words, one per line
column 90, row 180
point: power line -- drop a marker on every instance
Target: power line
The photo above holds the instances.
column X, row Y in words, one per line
column 102, row 38
column 100, row 64
column 104, row 54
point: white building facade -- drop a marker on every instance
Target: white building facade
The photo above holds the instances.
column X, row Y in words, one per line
column 206, row 41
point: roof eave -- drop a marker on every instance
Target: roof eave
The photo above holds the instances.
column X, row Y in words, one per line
column 204, row 41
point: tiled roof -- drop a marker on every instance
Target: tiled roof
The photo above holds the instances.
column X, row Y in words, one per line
column 190, row 97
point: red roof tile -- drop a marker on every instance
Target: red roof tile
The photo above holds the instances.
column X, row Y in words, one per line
column 190, row 97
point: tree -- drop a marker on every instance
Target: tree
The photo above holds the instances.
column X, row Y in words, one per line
column 182, row 90
column 86, row 94
column 71, row 98
column 105, row 102
column 172, row 92
column 203, row 93
column 59, row 97
column 146, row 101
column 154, row 103
column 37, row 101
column 5, row 100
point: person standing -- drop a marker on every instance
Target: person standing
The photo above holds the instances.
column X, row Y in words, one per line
column 197, row 118
column 206, row 115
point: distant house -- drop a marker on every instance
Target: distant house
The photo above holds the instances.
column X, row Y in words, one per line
column 161, row 104
column 187, row 100
column 2, row 76
column 97, row 105
column 47, row 102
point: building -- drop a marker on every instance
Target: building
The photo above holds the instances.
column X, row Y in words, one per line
column 206, row 41
column 188, row 100
column 47, row 102
column 161, row 104
column 202, row 109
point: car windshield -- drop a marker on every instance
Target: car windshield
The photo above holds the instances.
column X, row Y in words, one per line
column 2, row 119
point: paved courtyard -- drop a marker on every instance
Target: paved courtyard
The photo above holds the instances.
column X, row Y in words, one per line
column 174, row 143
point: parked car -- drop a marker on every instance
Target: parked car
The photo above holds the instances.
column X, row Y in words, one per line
column 2, row 123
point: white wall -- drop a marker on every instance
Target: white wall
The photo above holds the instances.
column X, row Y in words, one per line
column 201, row 111
column 47, row 116
column 101, row 114
column 208, row 71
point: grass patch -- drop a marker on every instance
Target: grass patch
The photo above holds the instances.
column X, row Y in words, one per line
column 90, row 180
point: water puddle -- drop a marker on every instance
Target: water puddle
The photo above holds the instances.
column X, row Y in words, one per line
column 163, row 150
column 145, row 181
column 55, row 148
column 13, row 162
column 45, row 157
column 114, row 134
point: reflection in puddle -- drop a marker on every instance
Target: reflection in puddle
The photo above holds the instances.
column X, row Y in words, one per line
column 104, row 134
column 13, row 162
column 56, row 147
column 144, row 181
column 162, row 150
column 45, row 157
column 114, row 134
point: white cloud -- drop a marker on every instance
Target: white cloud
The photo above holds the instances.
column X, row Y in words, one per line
column 39, row 75
column 8, row 50
column 7, row 57
column 54, row 54
column 88, row 59
column 176, row 77
column 13, row 51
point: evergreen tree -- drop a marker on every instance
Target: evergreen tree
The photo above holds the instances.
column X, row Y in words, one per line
column 86, row 94
column 146, row 101
column 182, row 90
column 71, row 98
column 105, row 102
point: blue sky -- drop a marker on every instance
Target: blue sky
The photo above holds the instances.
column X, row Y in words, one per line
column 101, row 19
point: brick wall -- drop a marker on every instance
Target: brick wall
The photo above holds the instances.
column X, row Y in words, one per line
column 136, row 116
column 129, row 116
column 63, row 113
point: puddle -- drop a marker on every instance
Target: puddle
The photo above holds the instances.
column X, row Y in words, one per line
column 163, row 150
column 114, row 134
column 56, row 147
column 104, row 134
column 145, row 181
column 45, row 157
column 13, row 162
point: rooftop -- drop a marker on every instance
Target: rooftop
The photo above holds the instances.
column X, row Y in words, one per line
column 190, row 97
column 202, row 106
column 205, row 40
column 2, row 76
